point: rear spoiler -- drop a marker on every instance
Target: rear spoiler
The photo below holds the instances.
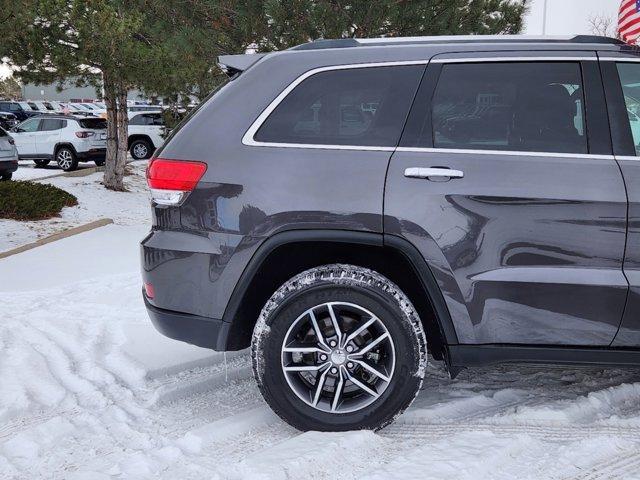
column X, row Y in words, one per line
column 233, row 64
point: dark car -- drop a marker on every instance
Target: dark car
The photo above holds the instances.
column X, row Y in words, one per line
column 8, row 120
column 345, row 207
column 8, row 156
column 16, row 109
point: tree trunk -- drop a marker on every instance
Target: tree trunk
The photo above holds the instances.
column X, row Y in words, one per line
column 123, row 133
column 110, row 96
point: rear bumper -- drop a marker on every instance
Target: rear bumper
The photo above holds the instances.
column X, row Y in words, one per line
column 8, row 166
column 93, row 154
column 201, row 331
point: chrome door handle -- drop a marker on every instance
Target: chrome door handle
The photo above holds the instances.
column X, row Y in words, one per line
column 419, row 172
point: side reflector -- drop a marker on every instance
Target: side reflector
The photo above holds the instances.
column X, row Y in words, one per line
column 148, row 290
column 176, row 175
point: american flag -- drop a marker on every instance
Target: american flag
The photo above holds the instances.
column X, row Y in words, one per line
column 629, row 21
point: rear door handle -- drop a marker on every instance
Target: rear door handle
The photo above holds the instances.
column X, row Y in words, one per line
column 440, row 172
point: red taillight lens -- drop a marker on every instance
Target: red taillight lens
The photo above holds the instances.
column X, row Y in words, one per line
column 84, row 134
column 182, row 175
column 148, row 290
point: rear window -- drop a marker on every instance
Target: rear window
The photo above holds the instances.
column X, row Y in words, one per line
column 93, row 123
column 359, row 107
column 3, row 133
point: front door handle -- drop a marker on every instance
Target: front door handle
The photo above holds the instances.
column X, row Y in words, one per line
column 439, row 172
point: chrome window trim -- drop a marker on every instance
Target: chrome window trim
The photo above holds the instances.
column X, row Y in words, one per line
column 627, row 157
column 512, row 59
column 248, row 137
column 620, row 59
column 249, row 140
column 512, row 153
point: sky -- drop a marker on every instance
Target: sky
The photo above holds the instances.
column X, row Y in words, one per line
column 564, row 17
column 567, row 17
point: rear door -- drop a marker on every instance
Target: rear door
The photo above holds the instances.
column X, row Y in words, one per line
column 511, row 193
column 48, row 135
column 621, row 74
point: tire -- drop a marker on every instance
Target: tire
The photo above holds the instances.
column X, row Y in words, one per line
column 141, row 149
column 6, row 177
column 66, row 159
column 357, row 296
column 100, row 163
column 41, row 163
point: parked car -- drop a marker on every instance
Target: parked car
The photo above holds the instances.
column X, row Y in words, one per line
column 63, row 138
column 144, row 108
column 8, row 120
column 474, row 197
column 8, row 156
column 41, row 106
column 17, row 109
column 145, row 133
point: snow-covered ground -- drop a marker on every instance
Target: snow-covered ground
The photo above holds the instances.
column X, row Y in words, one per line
column 94, row 202
column 88, row 390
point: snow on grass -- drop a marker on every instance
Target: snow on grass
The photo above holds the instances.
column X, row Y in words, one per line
column 94, row 202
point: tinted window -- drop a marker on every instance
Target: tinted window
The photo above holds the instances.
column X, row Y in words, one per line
column 630, row 79
column 509, row 106
column 93, row 123
column 361, row 106
column 3, row 132
column 147, row 119
column 49, row 124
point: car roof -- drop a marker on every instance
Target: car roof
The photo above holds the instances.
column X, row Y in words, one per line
column 575, row 40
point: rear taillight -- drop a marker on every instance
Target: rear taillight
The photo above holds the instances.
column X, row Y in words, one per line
column 82, row 134
column 11, row 141
column 171, row 180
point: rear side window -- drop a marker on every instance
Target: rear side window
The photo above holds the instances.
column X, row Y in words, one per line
column 49, row 124
column 630, row 80
column 535, row 107
column 147, row 119
column 359, row 107
column 93, row 123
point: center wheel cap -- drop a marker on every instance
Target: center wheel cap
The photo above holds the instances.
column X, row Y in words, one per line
column 338, row 357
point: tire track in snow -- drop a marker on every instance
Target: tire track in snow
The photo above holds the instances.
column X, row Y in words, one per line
column 555, row 433
column 623, row 466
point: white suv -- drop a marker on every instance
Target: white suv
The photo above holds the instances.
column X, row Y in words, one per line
column 63, row 138
column 145, row 133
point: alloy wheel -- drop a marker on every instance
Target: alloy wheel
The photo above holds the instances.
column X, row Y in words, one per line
column 64, row 159
column 338, row 357
column 140, row 150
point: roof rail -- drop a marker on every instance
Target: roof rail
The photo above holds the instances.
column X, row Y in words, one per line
column 357, row 42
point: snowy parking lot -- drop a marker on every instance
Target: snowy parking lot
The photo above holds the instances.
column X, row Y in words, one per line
column 89, row 390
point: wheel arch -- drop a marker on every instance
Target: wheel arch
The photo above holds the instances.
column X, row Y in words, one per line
column 285, row 254
column 59, row 145
column 139, row 136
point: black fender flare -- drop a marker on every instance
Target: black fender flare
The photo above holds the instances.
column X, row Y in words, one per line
column 411, row 253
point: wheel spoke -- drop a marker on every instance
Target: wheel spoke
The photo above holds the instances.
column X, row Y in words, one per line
column 372, row 344
column 362, row 386
column 360, row 329
column 319, row 387
column 316, row 328
column 304, row 368
column 334, row 321
column 338, row 391
column 303, row 350
column 372, row 370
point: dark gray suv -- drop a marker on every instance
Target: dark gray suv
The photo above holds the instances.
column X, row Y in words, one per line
column 347, row 206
